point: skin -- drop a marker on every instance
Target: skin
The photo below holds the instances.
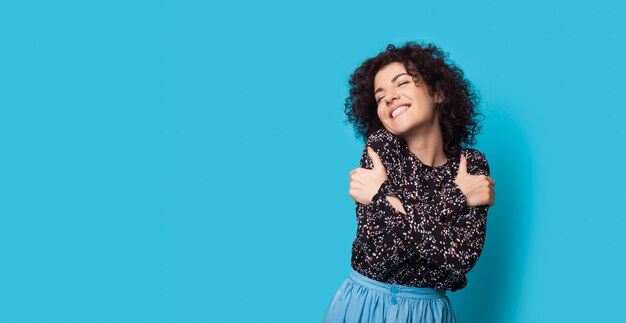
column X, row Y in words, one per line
column 419, row 126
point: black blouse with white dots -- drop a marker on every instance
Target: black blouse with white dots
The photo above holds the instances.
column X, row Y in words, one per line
column 439, row 239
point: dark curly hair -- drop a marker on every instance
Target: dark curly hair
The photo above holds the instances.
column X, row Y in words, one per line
column 458, row 115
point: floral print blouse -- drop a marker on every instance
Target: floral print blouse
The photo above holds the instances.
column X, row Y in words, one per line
column 438, row 240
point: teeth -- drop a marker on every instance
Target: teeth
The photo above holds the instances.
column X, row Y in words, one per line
column 398, row 111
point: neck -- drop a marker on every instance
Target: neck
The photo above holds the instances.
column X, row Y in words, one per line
column 427, row 144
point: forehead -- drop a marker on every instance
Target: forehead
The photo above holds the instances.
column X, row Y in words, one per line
column 388, row 72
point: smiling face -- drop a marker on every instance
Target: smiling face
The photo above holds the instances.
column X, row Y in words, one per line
column 403, row 105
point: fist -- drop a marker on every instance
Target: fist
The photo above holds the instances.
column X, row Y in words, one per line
column 365, row 183
column 478, row 189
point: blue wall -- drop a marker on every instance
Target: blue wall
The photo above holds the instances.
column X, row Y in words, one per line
column 188, row 162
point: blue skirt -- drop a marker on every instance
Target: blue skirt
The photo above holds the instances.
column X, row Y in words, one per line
column 362, row 299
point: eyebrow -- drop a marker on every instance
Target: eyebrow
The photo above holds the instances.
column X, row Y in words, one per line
column 392, row 80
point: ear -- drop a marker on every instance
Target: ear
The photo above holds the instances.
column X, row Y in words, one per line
column 439, row 97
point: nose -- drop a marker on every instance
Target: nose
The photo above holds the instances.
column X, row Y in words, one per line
column 392, row 95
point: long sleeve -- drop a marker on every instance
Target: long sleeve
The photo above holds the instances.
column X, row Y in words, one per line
column 387, row 147
column 455, row 245
column 384, row 227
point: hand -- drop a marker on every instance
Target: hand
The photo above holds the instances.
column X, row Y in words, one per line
column 478, row 189
column 365, row 183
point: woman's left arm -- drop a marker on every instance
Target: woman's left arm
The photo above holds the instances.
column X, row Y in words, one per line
column 456, row 242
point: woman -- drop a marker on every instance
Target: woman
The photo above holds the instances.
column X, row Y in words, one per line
column 421, row 198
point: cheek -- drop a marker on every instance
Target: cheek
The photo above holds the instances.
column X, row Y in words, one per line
column 381, row 114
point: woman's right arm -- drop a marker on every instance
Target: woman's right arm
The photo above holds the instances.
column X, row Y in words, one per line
column 386, row 228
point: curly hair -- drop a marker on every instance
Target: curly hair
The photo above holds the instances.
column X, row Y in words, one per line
column 458, row 115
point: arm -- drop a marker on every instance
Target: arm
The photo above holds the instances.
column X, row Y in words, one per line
column 384, row 227
column 388, row 147
column 457, row 243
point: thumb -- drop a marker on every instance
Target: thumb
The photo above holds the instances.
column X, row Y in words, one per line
column 462, row 165
column 376, row 162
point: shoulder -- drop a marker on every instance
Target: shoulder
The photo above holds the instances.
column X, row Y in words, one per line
column 387, row 146
column 477, row 163
column 383, row 140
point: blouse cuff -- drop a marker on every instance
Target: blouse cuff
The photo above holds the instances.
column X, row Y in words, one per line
column 379, row 197
column 388, row 187
column 455, row 203
column 384, row 216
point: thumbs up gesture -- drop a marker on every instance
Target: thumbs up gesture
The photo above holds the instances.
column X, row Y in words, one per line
column 365, row 183
column 478, row 189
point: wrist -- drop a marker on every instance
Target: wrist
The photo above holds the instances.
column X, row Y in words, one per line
column 381, row 192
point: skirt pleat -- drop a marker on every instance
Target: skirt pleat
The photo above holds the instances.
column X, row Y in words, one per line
column 361, row 299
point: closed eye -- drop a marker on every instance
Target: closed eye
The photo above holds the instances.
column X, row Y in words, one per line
column 401, row 83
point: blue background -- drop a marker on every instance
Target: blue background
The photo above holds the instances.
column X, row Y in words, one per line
column 188, row 161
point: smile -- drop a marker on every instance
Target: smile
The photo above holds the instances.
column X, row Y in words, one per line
column 398, row 111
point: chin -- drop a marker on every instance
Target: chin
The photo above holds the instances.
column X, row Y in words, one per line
column 401, row 128
column 397, row 132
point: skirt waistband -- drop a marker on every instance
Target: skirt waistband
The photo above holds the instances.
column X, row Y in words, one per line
column 396, row 289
